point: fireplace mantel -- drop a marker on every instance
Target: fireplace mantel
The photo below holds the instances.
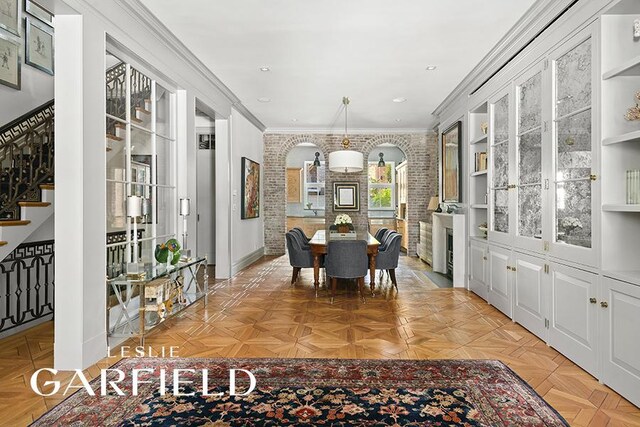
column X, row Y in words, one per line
column 442, row 221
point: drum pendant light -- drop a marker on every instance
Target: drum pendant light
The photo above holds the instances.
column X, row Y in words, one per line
column 346, row 160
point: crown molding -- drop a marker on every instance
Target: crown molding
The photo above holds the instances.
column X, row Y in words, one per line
column 352, row 132
column 528, row 26
column 144, row 16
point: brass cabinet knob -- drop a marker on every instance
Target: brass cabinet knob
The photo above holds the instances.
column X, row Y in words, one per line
column 592, row 300
column 604, row 304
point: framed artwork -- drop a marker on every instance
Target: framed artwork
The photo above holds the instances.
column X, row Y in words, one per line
column 9, row 62
column 451, row 161
column 206, row 141
column 250, row 189
column 39, row 46
column 346, row 196
column 39, row 12
column 10, row 16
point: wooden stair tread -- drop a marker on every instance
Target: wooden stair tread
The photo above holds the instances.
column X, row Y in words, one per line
column 120, row 126
column 113, row 137
column 136, row 120
column 2, row 243
column 47, row 187
column 14, row 222
column 34, row 204
column 143, row 110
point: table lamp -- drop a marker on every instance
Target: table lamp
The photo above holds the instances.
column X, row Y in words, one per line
column 134, row 210
column 185, row 211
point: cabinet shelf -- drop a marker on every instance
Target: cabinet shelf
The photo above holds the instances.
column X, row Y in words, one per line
column 479, row 140
column 480, row 206
column 627, row 137
column 631, row 276
column 630, row 67
column 479, row 173
column 620, row 207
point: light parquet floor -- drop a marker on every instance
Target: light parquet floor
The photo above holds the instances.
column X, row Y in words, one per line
column 259, row 314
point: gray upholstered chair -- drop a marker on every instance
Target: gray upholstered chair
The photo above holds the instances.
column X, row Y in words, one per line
column 387, row 258
column 299, row 257
column 347, row 259
column 380, row 233
column 303, row 237
column 385, row 238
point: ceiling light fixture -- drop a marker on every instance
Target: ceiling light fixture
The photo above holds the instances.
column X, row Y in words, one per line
column 346, row 160
column 431, row 67
column 399, row 100
column 264, row 99
column 265, row 69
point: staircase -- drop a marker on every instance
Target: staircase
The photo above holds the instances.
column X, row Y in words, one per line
column 26, row 176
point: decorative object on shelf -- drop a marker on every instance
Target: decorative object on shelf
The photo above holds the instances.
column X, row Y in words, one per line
column 636, row 29
column 39, row 46
column 250, row 189
column 481, row 161
column 346, row 196
column 452, row 208
column 185, row 211
column 134, row 211
column 483, row 228
column 433, row 203
column 346, row 160
column 570, row 141
column 451, row 161
column 10, row 71
column 10, row 17
column 439, row 208
column 206, row 141
column 168, row 252
column 633, row 113
column 342, row 222
column 316, row 162
column 570, row 224
column 309, row 205
column 633, row 187
column 38, row 12
column 484, row 127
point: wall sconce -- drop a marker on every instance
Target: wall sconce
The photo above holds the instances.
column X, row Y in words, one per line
column 381, row 162
column 185, row 211
column 316, row 162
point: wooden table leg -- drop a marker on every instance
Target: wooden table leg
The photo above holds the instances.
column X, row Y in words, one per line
column 372, row 272
column 316, row 272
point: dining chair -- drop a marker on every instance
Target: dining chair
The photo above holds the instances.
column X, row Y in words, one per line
column 299, row 257
column 385, row 237
column 303, row 237
column 347, row 259
column 387, row 258
column 380, row 233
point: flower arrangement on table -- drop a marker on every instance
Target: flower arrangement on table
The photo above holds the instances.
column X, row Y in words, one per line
column 168, row 252
column 569, row 224
column 343, row 221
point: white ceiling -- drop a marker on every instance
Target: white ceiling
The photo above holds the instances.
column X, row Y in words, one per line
column 319, row 51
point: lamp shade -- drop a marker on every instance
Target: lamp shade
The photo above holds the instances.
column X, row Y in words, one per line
column 134, row 206
column 185, row 207
column 346, row 161
column 433, row 203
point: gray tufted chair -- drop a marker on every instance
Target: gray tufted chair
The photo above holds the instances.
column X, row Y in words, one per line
column 380, row 233
column 387, row 258
column 303, row 237
column 299, row 257
column 347, row 259
column 385, row 238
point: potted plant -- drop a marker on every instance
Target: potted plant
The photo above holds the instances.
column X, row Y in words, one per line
column 342, row 222
column 168, row 252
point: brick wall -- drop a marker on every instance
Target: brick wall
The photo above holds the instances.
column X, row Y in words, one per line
column 420, row 149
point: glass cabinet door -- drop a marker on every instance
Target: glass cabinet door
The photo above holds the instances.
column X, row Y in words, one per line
column 529, row 164
column 499, row 157
column 573, row 146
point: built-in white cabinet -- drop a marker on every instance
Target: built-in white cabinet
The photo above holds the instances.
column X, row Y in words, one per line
column 530, row 299
column 619, row 308
column 500, row 278
column 478, row 252
column 573, row 329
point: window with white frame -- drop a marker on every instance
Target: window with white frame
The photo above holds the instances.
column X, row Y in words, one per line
column 141, row 147
column 382, row 186
column 314, row 177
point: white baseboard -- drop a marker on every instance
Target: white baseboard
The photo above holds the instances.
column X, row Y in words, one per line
column 246, row 261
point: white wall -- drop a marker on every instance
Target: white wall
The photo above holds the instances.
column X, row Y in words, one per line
column 247, row 234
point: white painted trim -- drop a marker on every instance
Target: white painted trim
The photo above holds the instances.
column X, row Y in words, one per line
column 356, row 131
column 246, row 261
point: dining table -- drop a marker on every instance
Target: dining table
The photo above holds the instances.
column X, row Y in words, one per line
column 320, row 240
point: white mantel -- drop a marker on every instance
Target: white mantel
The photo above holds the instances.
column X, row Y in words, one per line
column 442, row 221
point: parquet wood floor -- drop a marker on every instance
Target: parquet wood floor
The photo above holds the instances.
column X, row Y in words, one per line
column 258, row 314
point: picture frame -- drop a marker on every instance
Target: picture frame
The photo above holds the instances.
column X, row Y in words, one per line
column 10, row 18
column 39, row 45
column 346, row 196
column 250, row 189
column 451, row 155
column 10, row 62
column 38, row 12
column 206, row 141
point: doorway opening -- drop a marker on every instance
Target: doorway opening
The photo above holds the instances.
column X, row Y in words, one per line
column 206, row 184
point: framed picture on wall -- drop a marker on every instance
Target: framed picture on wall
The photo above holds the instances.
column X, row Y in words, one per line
column 346, row 196
column 39, row 12
column 39, row 45
column 250, row 185
column 451, row 162
column 10, row 16
column 206, row 141
column 9, row 62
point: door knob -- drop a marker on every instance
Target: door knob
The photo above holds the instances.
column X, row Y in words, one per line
column 592, row 300
column 604, row 304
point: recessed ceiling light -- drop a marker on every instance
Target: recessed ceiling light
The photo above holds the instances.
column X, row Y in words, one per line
column 265, row 69
column 264, row 99
column 431, row 67
column 294, row 120
column 399, row 100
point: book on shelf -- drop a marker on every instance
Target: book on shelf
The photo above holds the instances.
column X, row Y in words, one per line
column 633, row 187
column 481, row 161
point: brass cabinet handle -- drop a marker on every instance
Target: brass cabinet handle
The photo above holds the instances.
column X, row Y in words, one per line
column 592, row 300
column 484, row 258
column 604, row 304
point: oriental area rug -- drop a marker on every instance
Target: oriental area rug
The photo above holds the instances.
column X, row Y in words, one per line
column 304, row 392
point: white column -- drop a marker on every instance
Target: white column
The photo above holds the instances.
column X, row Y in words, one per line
column 80, row 293
column 223, row 200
